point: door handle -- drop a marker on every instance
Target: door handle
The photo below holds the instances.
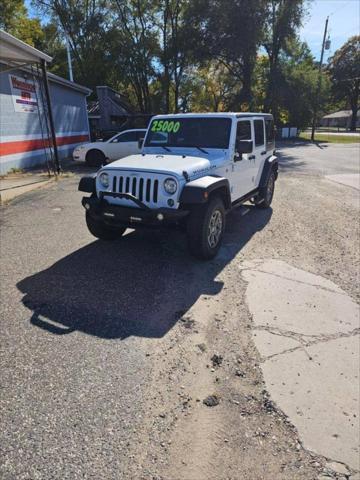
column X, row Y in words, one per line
column 251, row 157
column 263, row 153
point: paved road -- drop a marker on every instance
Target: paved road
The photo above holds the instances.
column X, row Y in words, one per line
column 85, row 327
column 323, row 159
column 71, row 368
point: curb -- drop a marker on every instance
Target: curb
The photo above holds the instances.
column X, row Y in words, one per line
column 13, row 192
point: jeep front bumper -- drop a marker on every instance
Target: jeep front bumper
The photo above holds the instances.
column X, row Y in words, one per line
column 114, row 215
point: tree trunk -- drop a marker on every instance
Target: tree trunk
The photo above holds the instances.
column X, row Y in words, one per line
column 246, row 91
column 271, row 103
column 167, row 88
column 354, row 110
column 176, row 94
column 354, row 103
column 166, row 57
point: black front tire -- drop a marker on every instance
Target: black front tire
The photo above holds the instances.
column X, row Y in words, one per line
column 95, row 158
column 266, row 193
column 205, row 229
column 102, row 231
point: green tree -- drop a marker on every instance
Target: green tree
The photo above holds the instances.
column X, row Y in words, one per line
column 53, row 44
column 282, row 20
column 134, row 45
column 297, row 77
column 344, row 69
column 14, row 19
column 84, row 25
column 232, row 34
column 299, row 85
column 178, row 34
column 213, row 88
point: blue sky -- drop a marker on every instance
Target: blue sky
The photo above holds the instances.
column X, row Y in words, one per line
column 344, row 22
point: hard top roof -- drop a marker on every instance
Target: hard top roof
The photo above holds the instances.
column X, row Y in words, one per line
column 218, row 114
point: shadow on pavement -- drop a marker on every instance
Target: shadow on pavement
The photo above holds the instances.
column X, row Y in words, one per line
column 140, row 285
column 289, row 162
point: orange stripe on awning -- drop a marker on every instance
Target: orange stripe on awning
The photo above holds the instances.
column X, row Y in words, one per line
column 21, row 146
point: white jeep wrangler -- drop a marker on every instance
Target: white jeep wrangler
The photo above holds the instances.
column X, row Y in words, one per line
column 193, row 169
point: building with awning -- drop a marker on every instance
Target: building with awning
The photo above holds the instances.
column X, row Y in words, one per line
column 43, row 116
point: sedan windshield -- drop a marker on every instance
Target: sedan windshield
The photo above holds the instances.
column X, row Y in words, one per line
column 194, row 132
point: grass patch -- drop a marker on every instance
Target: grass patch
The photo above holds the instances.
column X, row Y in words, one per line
column 16, row 170
column 329, row 138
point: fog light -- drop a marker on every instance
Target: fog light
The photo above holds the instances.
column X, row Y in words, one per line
column 170, row 202
column 160, row 216
column 87, row 206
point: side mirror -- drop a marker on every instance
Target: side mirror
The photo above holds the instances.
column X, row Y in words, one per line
column 140, row 143
column 244, row 146
column 115, row 140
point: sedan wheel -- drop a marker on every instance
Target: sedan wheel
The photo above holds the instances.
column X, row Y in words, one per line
column 95, row 158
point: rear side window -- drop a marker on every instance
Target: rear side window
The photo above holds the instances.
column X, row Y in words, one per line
column 259, row 132
column 270, row 134
column 128, row 137
column 140, row 135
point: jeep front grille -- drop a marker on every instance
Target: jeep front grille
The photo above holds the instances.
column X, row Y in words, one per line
column 145, row 189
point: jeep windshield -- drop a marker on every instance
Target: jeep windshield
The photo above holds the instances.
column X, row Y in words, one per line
column 189, row 132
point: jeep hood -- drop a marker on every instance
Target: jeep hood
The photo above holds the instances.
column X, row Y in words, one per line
column 167, row 164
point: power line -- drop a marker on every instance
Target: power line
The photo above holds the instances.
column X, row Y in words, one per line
column 341, row 8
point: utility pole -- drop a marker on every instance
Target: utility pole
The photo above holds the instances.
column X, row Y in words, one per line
column 71, row 78
column 51, row 118
column 316, row 106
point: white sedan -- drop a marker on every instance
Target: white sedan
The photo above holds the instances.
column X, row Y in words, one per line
column 121, row 145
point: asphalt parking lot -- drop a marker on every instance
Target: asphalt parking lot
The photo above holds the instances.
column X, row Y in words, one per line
column 94, row 336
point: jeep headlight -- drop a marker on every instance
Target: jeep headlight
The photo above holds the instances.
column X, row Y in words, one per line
column 104, row 179
column 170, row 186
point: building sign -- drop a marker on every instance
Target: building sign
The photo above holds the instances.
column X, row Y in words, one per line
column 23, row 94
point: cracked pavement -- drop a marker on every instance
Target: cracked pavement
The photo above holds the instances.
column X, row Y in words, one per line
column 307, row 332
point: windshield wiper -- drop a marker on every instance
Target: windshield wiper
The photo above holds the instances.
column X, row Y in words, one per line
column 202, row 150
column 165, row 148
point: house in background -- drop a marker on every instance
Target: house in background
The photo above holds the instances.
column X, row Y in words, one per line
column 111, row 113
column 341, row 119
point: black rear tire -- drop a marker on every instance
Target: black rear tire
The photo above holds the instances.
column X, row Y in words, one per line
column 102, row 231
column 205, row 228
column 95, row 158
column 266, row 193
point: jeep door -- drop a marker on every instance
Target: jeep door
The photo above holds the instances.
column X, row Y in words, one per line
column 241, row 179
column 259, row 149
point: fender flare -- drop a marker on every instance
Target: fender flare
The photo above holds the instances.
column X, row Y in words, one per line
column 271, row 164
column 199, row 190
column 87, row 184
